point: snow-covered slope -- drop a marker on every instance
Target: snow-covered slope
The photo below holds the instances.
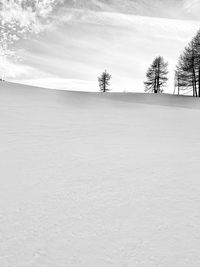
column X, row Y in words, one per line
column 94, row 180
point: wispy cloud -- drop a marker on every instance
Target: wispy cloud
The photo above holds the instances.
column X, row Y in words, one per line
column 27, row 14
column 18, row 18
column 86, row 36
column 88, row 42
column 61, row 83
column 192, row 7
column 154, row 8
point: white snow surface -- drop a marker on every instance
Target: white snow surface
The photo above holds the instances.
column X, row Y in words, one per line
column 97, row 180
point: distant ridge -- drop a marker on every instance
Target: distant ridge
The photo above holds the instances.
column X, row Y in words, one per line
column 15, row 89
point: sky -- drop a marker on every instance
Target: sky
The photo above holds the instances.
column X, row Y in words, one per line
column 67, row 44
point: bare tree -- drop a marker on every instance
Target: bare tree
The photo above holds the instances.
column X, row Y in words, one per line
column 189, row 67
column 156, row 76
column 196, row 47
column 180, row 83
column 104, row 81
column 187, row 70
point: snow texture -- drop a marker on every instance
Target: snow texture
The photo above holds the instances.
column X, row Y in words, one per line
column 98, row 180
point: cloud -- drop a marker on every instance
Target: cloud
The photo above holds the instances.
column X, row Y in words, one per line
column 18, row 18
column 152, row 8
column 88, row 36
column 87, row 42
column 26, row 13
column 192, row 6
column 14, row 70
column 61, row 83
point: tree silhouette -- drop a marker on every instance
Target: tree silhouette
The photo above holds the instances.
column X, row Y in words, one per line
column 156, row 76
column 180, row 81
column 104, row 81
column 189, row 67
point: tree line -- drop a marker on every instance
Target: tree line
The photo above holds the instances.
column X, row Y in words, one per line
column 187, row 72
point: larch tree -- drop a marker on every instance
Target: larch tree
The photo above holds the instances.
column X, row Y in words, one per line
column 180, row 82
column 196, row 48
column 104, row 81
column 156, row 76
column 189, row 67
column 186, row 66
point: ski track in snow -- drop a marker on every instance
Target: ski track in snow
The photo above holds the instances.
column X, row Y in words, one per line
column 89, row 180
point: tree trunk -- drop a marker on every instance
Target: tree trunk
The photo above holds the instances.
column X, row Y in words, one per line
column 199, row 83
column 178, row 86
column 155, row 81
column 104, row 85
column 194, row 83
column 158, row 78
